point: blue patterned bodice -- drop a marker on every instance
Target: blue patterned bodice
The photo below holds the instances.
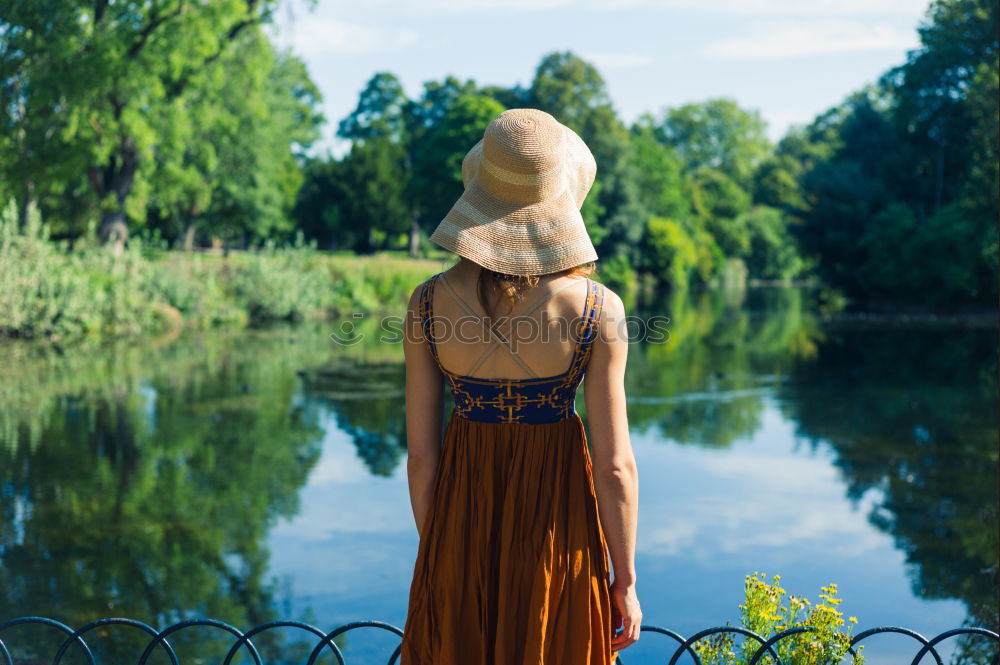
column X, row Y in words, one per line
column 533, row 401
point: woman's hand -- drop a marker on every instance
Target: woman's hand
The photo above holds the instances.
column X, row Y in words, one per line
column 625, row 614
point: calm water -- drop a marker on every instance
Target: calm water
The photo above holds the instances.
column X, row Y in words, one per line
column 256, row 475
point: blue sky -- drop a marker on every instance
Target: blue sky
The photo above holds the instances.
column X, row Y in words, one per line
column 789, row 59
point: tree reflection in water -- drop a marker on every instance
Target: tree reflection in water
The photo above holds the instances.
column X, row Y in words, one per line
column 142, row 480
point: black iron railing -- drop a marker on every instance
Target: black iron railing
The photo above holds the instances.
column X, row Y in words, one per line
column 74, row 640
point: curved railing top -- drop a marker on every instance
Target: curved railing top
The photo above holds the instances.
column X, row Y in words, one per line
column 67, row 639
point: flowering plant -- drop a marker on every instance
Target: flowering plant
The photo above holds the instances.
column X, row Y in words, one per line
column 823, row 642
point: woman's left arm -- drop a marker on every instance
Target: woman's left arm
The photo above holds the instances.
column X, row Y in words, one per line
column 424, row 405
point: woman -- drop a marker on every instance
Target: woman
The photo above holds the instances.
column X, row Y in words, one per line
column 516, row 517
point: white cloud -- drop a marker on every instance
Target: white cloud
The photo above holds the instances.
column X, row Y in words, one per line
column 776, row 40
column 473, row 5
column 800, row 506
column 311, row 35
column 772, row 7
column 730, row 7
column 604, row 60
column 456, row 6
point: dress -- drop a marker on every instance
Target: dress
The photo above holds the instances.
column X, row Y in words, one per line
column 512, row 567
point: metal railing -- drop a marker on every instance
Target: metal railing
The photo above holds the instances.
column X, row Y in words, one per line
column 73, row 640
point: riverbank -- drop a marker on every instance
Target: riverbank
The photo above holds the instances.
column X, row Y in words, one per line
column 48, row 292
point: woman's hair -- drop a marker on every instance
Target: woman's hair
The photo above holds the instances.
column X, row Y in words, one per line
column 513, row 287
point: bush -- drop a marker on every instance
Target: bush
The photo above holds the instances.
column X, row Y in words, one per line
column 48, row 291
column 766, row 614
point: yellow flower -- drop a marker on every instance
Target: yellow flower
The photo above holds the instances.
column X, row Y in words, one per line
column 854, row 619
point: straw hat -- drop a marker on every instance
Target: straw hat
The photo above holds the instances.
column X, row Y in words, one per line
column 525, row 182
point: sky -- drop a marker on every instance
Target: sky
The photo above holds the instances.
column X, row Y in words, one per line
column 788, row 59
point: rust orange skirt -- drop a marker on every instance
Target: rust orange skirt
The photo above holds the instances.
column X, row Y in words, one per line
column 512, row 567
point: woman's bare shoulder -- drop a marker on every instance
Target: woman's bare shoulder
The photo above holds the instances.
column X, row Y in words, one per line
column 612, row 303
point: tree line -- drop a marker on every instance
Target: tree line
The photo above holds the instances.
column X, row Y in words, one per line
column 187, row 122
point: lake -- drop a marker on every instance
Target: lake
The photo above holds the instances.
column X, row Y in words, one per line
column 255, row 475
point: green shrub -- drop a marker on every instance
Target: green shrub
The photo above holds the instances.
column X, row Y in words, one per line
column 48, row 291
column 766, row 613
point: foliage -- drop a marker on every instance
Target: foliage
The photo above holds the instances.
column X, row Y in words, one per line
column 108, row 107
column 717, row 134
column 619, row 275
column 48, row 291
column 910, row 174
column 187, row 122
column 670, row 249
column 766, row 613
column 773, row 253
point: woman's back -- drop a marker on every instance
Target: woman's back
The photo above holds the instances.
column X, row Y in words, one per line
column 542, row 329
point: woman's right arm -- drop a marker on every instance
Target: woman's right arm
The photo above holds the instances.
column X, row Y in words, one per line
column 616, row 478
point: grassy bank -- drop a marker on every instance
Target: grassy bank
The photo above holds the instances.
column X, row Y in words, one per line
column 50, row 292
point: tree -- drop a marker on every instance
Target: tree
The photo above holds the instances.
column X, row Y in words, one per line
column 658, row 171
column 374, row 186
column 380, row 112
column 773, row 253
column 670, row 252
column 435, row 175
column 719, row 203
column 574, row 92
column 100, row 83
column 717, row 134
column 570, row 89
column 242, row 140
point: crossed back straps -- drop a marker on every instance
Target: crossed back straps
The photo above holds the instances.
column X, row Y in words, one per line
column 497, row 339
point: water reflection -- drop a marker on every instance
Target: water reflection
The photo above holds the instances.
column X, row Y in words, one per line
column 179, row 478
column 142, row 482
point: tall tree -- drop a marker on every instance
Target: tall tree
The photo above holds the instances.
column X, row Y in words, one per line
column 573, row 91
column 933, row 91
column 243, row 140
column 97, row 80
column 717, row 134
column 435, row 180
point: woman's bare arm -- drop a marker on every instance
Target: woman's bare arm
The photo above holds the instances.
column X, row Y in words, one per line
column 615, row 472
column 424, row 404
column 616, row 478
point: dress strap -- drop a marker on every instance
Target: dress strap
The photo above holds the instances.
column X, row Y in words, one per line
column 589, row 328
column 425, row 309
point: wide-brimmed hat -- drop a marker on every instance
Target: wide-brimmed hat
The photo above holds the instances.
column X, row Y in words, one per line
column 525, row 182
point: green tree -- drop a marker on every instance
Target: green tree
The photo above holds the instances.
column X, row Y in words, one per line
column 717, row 134
column 719, row 202
column 912, row 169
column 658, row 172
column 773, row 253
column 670, row 253
column 102, row 84
column 243, row 140
column 449, row 127
column 374, row 186
column 380, row 111
column 574, row 92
